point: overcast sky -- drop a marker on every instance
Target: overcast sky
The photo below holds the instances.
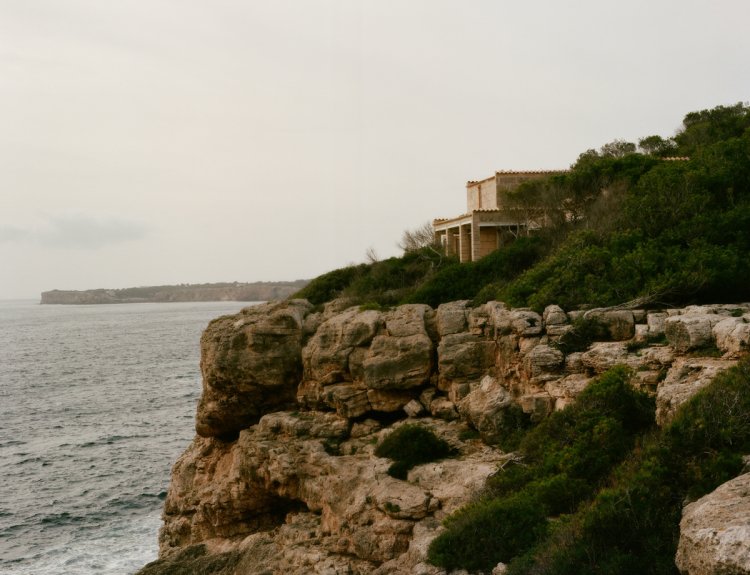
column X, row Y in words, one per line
column 147, row 142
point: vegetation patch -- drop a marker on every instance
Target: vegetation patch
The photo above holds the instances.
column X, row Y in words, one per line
column 564, row 459
column 622, row 224
column 411, row 445
column 602, row 489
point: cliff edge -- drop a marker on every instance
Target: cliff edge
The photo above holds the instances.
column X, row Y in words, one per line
column 283, row 474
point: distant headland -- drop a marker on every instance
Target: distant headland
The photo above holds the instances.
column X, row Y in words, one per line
column 234, row 291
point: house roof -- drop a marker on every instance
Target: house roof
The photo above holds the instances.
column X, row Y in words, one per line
column 515, row 173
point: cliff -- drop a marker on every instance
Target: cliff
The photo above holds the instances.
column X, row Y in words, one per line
column 257, row 291
column 283, row 474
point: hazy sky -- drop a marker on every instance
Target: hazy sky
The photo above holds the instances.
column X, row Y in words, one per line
column 148, row 142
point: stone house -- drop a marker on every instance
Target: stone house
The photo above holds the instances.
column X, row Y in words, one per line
column 488, row 223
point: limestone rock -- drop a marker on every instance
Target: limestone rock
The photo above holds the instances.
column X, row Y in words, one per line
column 556, row 331
column 454, row 481
column 554, row 315
column 526, row 323
column 251, row 365
column 452, row 317
column 278, row 501
column 573, row 362
column 326, row 355
column 565, row 390
column 733, row 335
column 690, row 331
column 602, row 356
column 406, row 320
column 656, row 322
column 484, row 408
column 414, row 408
column 619, row 324
column 499, row 318
column 303, row 425
column 388, row 400
column 398, row 362
column 443, row 408
column 715, row 531
column 686, row 377
column 539, row 405
column 348, row 399
column 641, row 334
column 543, row 359
column 464, row 357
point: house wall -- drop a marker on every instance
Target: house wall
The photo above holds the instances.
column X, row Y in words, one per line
column 505, row 182
column 481, row 195
column 487, row 241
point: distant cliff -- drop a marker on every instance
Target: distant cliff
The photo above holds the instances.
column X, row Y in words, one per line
column 256, row 291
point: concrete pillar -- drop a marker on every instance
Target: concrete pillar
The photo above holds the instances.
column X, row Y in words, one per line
column 465, row 243
column 450, row 242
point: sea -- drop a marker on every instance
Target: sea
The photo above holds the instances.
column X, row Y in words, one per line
column 96, row 404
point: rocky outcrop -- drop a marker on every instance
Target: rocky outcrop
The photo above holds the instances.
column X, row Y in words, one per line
column 314, row 473
column 715, row 531
column 251, row 364
column 282, row 476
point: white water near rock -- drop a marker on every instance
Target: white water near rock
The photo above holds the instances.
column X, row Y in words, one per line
column 96, row 402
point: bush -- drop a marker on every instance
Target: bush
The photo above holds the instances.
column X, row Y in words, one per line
column 632, row 525
column 485, row 533
column 465, row 281
column 411, row 445
column 565, row 459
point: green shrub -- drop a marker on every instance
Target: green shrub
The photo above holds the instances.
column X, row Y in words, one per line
column 487, row 532
column 465, row 281
column 632, row 525
column 513, row 427
column 411, row 445
column 566, row 458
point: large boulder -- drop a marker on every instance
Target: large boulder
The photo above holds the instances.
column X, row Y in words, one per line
column 543, row 360
column 464, row 357
column 398, row 362
column 526, row 323
column 331, row 354
column 691, row 331
column 619, row 325
column 715, row 532
column 452, row 317
column 401, row 356
column 733, row 335
column 485, row 409
column 251, row 365
column 554, row 315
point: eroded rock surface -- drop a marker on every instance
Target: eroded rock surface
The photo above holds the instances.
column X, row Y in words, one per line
column 686, row 377
column 251, row 365
column 282, row 477
column 715, row 532
column 306, row 469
